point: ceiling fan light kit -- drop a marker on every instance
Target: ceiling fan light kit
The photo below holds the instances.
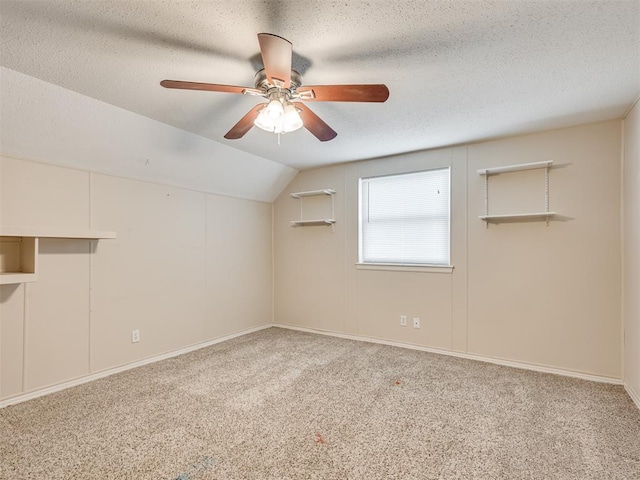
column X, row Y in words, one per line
column 284, row 112
column 279, row 115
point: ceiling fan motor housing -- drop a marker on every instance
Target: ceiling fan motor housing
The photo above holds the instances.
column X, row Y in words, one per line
column 262, row 83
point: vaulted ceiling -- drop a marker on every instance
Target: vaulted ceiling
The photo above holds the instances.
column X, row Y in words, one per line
column 457, row 71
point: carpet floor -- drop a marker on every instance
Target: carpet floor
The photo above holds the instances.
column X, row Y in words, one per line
column 281, row 404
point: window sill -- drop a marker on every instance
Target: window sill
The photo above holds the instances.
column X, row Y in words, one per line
column 399, row 267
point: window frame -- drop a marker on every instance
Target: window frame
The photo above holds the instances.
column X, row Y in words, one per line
column 398, row 266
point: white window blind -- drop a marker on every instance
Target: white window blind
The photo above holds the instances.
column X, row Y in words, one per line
column 404, row 219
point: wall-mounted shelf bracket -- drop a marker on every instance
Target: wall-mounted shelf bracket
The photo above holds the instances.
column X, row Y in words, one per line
column 487, row 172
column 316, row 222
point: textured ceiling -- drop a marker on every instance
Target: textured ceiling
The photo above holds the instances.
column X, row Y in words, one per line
column 458, row 71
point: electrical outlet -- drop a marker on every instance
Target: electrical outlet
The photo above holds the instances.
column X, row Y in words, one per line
column 403, row 320
column 416, row 322
column 135, row 336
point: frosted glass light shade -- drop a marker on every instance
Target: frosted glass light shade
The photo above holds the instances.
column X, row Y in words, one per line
column 275, row 109
column 292, row 120
column 276, row 118
column 264, row 121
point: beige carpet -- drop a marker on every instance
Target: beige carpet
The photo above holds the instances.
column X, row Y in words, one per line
column 281, row 404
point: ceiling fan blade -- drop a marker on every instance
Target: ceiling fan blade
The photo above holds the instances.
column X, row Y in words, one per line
column 245, row 123
column 211, row 87
column 276, row 56
column 315, row 124
column 345, row 93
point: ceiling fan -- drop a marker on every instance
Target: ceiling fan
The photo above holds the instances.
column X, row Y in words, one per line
column 284, row 111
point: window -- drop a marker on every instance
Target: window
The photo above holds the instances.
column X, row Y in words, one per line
column 404, row 219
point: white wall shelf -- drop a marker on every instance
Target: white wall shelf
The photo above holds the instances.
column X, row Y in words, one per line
column 516, row 216
column 313, row 193
column 316, row 222
column 515, row 168
column 19, row 249
column 532, row 216
column 311, row 223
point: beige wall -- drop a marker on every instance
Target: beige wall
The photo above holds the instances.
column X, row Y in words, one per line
column 187, row 267
column 631, row 251
column 525, row 292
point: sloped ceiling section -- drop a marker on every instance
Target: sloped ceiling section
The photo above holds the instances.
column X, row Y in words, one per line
column 458, row 71
column 45, row 122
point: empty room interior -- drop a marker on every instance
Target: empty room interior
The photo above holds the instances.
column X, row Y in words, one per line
column 320, row 240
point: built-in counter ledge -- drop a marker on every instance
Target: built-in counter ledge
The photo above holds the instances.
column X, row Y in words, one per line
column 19, row 247
column 54, row 232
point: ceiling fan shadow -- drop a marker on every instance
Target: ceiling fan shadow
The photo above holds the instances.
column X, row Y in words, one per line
column 78, row 20
column 398, row 49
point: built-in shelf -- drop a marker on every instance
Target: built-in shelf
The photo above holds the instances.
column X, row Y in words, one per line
column 10, row 278
column 311, row 223
column 316, row 222
column 533, row 216
column 19, row 249
column 18, row 259
column 54, row 232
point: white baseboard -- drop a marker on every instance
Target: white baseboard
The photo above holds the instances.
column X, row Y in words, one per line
column 469, row 356
column 633, row 394
column 23, row 397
